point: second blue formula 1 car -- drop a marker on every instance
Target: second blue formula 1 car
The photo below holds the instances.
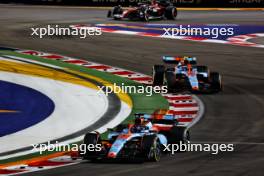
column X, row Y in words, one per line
column 144, row 140
column 183, row 73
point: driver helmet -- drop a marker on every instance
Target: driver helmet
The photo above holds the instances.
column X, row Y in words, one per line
column 139, row 121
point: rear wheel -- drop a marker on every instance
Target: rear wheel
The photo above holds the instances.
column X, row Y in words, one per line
column 216, row 81
column 179, row 134
column 158, row 75
column 151, row 148
column 171, row 13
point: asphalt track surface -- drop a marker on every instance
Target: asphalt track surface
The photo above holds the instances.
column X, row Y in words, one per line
column 233, row 116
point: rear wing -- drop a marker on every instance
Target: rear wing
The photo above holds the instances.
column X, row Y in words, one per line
column 168, row 117
column 176, row 60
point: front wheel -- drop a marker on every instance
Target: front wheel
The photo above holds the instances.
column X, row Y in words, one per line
column 158, row 75
column 151, row 148
column 90, row 139
column 216, row 82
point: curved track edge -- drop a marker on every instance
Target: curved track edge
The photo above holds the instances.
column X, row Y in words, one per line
column 187, row 116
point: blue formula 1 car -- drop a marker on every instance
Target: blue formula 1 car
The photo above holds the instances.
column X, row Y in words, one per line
column 144, row 140
column 183, row 73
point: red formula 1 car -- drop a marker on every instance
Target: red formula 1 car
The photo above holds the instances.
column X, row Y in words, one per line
column 162, row 9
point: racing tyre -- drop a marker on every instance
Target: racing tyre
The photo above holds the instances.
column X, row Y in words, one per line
column 158, row 75
column 117, row 10
column 216, row 81
column 146, row 16
column 171, row 13
column 151, row 148
column 179, row 134
column 90, row 138
column 109, row 14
